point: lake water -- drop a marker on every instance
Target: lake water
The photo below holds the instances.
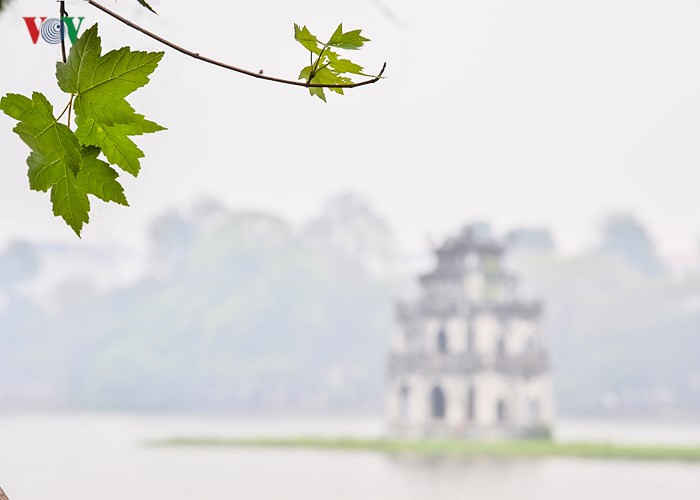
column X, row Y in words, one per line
column 102, row 457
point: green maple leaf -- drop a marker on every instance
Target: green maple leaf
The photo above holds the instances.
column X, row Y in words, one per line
column 69, row 192
column 58, row 163
column 344, row 65
column 304, row 37
column 318, row 92
column 328, row 77
column 97, row 178
column 55, row 158
column 305, row 73
column 114, row 141
column 40, row 131
column 69, row 201
column 351, row 40
column 100, row 84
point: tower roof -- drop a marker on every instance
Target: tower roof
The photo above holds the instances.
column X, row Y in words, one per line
column 473, row 238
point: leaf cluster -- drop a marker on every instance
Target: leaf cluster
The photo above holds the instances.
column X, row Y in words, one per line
column 67, row 163
column 326, row 66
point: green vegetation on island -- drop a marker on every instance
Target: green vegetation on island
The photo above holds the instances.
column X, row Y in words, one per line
column 457, row 448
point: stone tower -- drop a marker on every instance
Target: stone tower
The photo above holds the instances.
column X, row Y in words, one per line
column 468, row 359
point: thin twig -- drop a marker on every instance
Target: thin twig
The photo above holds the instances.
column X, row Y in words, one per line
column 254, row 74
column 62, row 16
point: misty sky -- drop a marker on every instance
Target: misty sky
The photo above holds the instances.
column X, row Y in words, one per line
column 546, row 112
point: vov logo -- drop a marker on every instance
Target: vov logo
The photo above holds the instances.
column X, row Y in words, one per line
column 53, row 30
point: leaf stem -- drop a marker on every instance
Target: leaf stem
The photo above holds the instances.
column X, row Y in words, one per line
column 66, row 109
column 70, row 105
column 315, row 68
column 254, row 74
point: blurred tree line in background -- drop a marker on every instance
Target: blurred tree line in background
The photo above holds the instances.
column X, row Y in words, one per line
column 247, row 312
column 240, row 311
column 622, row 325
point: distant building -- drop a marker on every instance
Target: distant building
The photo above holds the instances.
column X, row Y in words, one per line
column 469, row 359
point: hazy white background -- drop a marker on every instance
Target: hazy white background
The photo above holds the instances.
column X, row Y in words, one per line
column 546, row 112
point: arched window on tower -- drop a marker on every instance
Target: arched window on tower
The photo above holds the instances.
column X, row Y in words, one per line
column 530, row 344
column 534, row 411
column 502, row 411
column 471, row 335
column 442, row 346
column 501, row 346
column 404, row 402
column 471, row 404
column 437, row 403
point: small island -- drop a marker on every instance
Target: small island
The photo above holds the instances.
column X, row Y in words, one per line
column 458, row 448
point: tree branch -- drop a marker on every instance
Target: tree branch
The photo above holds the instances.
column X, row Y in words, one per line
column 208, row 60
column 63, row 14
